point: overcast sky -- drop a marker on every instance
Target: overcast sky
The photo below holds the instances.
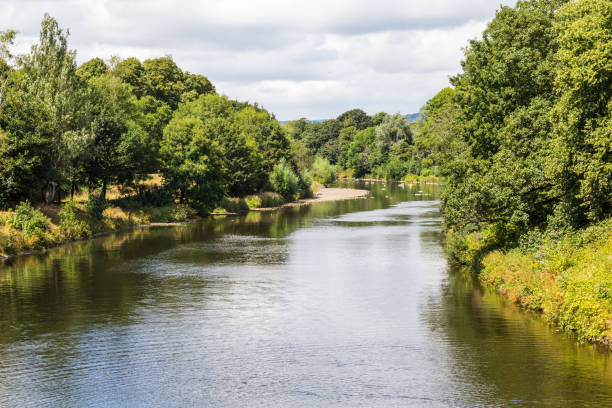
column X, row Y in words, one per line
column 313, row 59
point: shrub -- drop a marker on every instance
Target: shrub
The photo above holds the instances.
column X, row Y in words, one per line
column 233, row 204
column 170, row 213
column 324, row 172
column 71, row 224
column 95, row 206
column 304, row 184
column 181, row 212
column 395, row 169
column 253, row 201
column 30, row 220
column 283, row 180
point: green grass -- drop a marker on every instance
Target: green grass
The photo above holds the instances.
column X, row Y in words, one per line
column 30, row 228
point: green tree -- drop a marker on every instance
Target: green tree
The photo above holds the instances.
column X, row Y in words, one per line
column 505, row 94
column 43, row 104
column 131, row 71
column 192, row 162
column 356, row 118
column 583, row 111
column 93, row 68
column 393, row 129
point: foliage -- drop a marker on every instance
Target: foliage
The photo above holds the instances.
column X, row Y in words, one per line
column 284, row 181
column 264, row 200
column 551, row 277
column 72, row 221
column 232, row 205
column 30, row 220
column 305, row 184
column 356, row 118
column 96, row 204
column 323, row 172
column 192, row 162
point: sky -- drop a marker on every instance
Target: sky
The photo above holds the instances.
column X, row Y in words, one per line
column 312, row 59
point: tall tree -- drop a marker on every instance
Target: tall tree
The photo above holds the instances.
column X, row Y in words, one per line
column 47, row 89
column 583, row 111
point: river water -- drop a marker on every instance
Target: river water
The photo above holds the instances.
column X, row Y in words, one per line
column 338, row 304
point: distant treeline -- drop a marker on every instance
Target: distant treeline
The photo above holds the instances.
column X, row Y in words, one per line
column 381, row 146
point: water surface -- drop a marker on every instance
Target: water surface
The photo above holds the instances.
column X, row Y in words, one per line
column 338, row 304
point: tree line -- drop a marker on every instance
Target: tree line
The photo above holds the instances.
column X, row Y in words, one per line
column 524, row 136
column 64, row 127
column 384, row 146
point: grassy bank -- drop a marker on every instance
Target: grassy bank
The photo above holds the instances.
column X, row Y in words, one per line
column 568, row 278
column 29, row 228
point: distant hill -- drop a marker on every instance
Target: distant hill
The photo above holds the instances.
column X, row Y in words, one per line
column 284, row 122
column 412, row 117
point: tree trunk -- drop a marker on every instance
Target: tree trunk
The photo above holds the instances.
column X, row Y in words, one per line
column 103, row 192
column 51, row 193
column 72, row 191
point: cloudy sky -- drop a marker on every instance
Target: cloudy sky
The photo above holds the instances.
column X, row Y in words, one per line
column 313, row 59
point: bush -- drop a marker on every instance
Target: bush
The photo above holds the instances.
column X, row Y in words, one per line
column 323, row 171
column 31, row 221
column 232, row 204
column 181, row 212
column 304, row 184
column 253, row 201
column 284, row 181
column 95, row 206
column 171, row 213
column 71, row 224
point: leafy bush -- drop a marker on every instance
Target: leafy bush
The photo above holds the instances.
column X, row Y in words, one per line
column 264, row 200
column 71, row 224
column 30, row 220
column 181, row 212
column 233, row 204
column 95, row 206
column 284, row 181
column 170, row 213
column 323, row 171
column 304, row 184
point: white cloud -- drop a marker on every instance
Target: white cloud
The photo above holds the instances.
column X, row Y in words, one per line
column 313, row 58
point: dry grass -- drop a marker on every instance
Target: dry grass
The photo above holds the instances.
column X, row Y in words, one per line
column 116, row 192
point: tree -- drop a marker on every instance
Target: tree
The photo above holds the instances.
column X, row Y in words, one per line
column 583, row 111
column 359, row 156
column 393, row 129
column 505, row 94
column 192, row 163
column 93, row 68
column 163, row 80
column 438, row 138
column 7, row 38
column 131, row 71
column 356, row 118
column 43, row 104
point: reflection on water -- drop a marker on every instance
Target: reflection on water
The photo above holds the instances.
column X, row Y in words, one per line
column 337, row 304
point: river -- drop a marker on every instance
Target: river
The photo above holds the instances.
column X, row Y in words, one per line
column 338, row 304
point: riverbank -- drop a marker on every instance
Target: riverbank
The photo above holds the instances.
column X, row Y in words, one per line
column 568, row 279
column 324, row 194
column 52, row 226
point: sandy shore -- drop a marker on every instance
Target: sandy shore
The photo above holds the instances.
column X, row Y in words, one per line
column 323, row 195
